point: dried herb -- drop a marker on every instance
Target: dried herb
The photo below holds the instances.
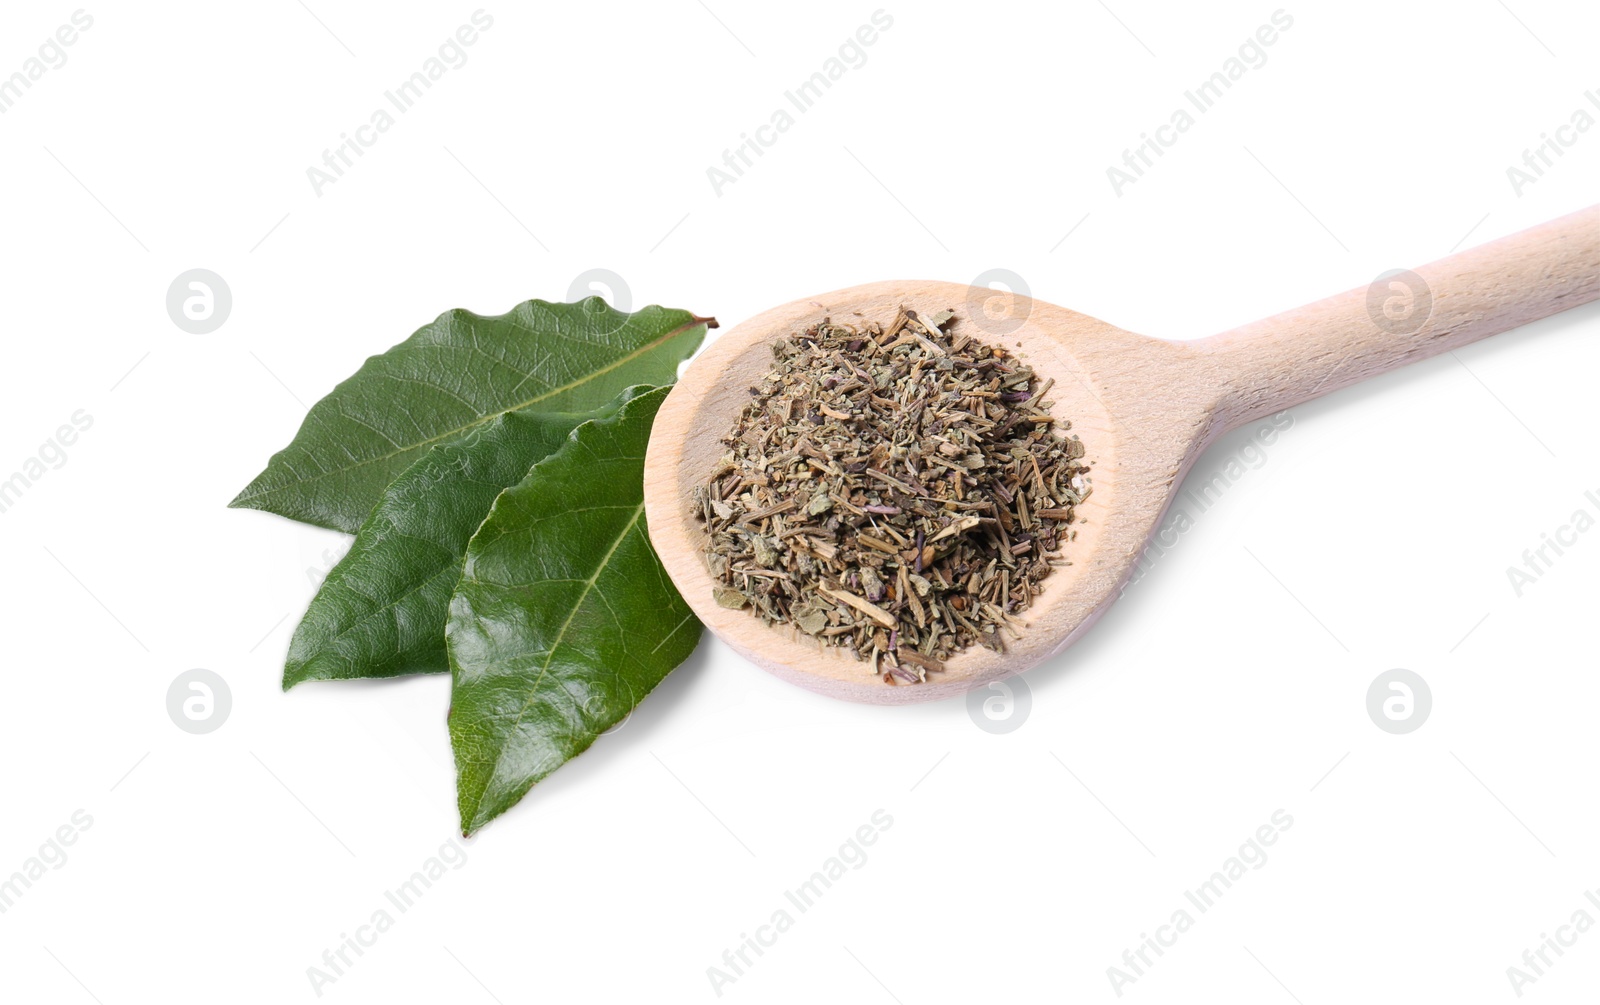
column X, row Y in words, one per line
column 454, row 376
column 563, row 619
column 897, row 491
column 493, row 471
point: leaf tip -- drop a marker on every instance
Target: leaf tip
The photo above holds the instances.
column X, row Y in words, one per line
column 298, row 670
column 471, row 822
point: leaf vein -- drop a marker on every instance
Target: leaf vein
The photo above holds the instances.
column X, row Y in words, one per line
column 533, row 688
column 447, row 434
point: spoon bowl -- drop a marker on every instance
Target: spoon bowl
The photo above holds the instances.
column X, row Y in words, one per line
column 1144, row 408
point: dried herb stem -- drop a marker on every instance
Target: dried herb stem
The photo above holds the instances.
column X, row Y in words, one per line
column 898, row 491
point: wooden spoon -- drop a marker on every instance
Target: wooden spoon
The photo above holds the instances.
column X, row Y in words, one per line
column 1145, row 408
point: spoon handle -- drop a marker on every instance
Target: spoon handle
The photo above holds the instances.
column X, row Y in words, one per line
column 1272, row 364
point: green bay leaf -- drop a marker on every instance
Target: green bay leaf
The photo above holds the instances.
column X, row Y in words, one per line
column 564, row 618
column 453, row 376
column 381, row 611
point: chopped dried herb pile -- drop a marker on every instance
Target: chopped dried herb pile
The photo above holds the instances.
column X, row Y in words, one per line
column 899, row 492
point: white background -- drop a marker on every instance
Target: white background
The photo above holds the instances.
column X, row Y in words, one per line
column 1228, row 684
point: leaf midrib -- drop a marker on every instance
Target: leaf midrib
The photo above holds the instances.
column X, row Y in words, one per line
column 550, row 655
column 368, row 616
column 286, row 486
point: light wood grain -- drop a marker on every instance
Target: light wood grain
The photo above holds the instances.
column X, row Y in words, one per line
column 1145, row 409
